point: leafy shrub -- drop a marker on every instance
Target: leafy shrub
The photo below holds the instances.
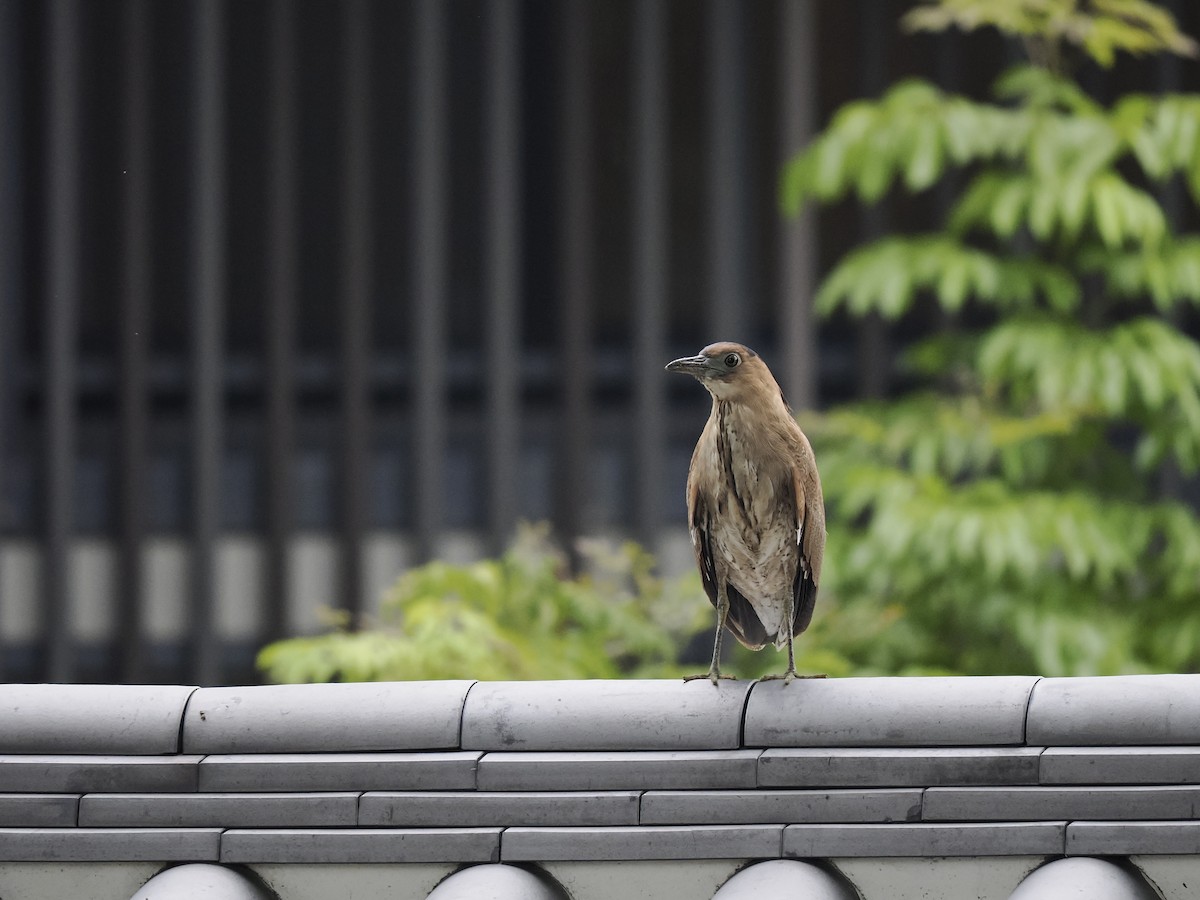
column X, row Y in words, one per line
column 1008, row 516
column 518, row 617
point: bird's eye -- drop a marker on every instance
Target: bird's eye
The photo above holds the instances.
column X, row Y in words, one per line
column 732, row 360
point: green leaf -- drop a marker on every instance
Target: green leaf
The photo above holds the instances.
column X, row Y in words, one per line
column 1008, row 207
column 1108, row 211
column 1072, row 206
column 925, row 159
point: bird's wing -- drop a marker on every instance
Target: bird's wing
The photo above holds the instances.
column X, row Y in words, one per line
column 742, row 621
column 698, row 527
column 810, row 539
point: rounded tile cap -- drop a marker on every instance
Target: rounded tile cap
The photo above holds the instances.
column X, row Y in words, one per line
column 655, row 714
column 497, row 882
column 984, row 710
column 1083, row 878
column 1114, row 710
column 311, row 718
column 784, row 879
column 200, row 881
column 91, row 719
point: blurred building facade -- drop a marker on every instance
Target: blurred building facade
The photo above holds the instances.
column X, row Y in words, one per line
column 294, row 295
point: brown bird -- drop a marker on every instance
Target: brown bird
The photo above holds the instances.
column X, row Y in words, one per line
column 755, row 510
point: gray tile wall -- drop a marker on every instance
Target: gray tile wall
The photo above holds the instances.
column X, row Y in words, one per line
column 559, row 772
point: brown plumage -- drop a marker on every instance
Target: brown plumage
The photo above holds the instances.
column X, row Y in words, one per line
column 755, row 510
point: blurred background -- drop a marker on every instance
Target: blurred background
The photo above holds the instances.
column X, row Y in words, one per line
column 295, row 296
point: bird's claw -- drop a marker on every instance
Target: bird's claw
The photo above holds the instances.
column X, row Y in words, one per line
column 788, row 677
column 714, row 677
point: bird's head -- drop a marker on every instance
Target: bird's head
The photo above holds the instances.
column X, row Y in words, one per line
column 729, row 371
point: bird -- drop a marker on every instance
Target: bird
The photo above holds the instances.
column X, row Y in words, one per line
column 755, row 510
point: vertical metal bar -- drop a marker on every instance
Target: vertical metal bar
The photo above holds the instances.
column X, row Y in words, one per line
column 11, row 247
column 60, row 328
column 133, row 341
column 207, row 320
column 873, row 348
column 356, row 289
column 576, row 188
column 1168, row 77
column 282, row 283
column 948, row 66
column 798, row 254
column 650, row 260
column 431, row 210
column 729, row 218
column 503, row 373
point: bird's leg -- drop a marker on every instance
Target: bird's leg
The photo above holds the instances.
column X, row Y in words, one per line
column 790, row 675
column 714, row 668
column 791, row 669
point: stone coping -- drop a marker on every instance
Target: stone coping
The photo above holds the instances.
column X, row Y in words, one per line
column 588, row 716
column 470, row 773
column 519, row 843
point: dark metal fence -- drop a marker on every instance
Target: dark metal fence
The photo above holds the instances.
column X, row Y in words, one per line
column 294, row 294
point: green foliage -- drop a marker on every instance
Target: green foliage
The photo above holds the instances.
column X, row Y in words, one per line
column 1055, row 143
column 887, row 276
column 1007, row 517
column 1100, row 28
column 516, row 617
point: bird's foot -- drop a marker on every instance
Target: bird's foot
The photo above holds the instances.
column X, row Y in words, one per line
column 788, row 677
column 712, row 675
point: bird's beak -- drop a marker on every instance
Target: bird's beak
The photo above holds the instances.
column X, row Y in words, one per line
column 688, row 365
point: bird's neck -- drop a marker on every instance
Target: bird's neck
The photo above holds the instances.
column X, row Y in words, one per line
column 758, row 414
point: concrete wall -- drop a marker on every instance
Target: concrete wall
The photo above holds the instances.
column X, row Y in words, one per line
column 871, row 788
